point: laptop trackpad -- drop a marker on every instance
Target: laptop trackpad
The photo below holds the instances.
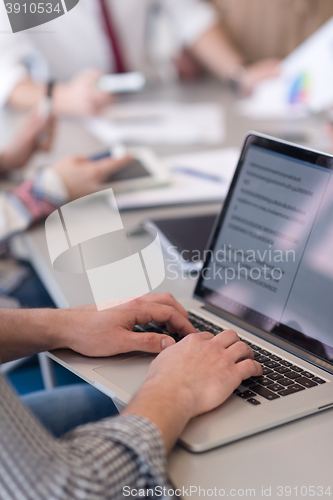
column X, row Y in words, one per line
column 127, row 371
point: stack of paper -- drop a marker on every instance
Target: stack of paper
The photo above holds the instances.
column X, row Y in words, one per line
column 160, row 123
column 195, row 177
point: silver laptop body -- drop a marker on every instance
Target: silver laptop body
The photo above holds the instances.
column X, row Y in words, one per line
column 268, row 274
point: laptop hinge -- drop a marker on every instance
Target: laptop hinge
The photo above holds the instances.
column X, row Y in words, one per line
column 214, row 310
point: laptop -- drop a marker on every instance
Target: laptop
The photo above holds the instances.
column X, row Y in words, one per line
column 268, row 274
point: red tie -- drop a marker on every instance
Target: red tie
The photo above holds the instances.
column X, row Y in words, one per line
column 112, row 38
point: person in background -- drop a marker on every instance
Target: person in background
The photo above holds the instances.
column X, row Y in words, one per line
column 98, row 460
column 259, row 33
column 107, row 36
column 261, row 29
column 35, row 198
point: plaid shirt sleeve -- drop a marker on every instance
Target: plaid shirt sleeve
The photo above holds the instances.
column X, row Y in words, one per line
column 30, row 202
column 94, row 461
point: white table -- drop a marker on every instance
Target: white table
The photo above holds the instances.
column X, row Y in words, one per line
column 294, row 455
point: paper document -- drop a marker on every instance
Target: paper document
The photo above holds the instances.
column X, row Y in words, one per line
column 160, row 123
column 305, row 83
column 195, row 177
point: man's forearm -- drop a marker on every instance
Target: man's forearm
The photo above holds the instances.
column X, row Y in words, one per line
column 169, row 408
column 27, row 332
column 96, row 460
column 27, row 94
column 216, row 52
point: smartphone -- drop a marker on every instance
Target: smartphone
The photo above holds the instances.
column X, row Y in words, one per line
column 121, row 83
column 133, row 169
column 143, row 170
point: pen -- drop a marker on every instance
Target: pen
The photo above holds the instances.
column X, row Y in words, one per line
column 117, row 151
column 197, row 173
column 101, row 156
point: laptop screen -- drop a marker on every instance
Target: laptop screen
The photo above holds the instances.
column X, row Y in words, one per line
column 270, row 261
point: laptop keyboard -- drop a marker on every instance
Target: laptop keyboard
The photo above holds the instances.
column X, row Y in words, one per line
column 280, row 377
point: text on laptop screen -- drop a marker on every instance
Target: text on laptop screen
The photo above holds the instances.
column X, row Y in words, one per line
column 271, row 259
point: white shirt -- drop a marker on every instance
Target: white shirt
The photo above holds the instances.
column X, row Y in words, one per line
column 75, row 41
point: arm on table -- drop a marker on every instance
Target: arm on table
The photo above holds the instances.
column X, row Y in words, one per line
column 216, row 52
column 51, row 187
column 79, row 96
column 197, row 23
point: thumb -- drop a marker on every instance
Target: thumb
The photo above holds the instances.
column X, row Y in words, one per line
column 106, row 166
column 150, row 342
